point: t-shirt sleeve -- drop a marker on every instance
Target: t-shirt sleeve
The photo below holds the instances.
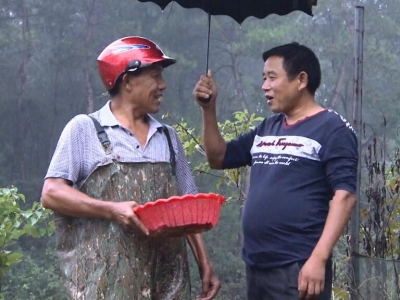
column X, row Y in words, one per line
column 340, row 158
column 67, row 160
column 184, row 177
column 237, row 152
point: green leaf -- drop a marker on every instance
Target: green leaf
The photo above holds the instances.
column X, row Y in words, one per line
column 14, row 257
column 27, row 214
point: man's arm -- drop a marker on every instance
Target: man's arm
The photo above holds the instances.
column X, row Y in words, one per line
column 210, row 282
column 312, row 276
column 186, row 185
column 339, row 214
column 214, row 144
column 60, row 197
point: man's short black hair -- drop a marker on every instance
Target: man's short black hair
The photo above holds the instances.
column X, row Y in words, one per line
column 115, row 90
column 296, row 59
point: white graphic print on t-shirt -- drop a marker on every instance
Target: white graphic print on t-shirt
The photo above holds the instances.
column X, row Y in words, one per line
column 283, row 150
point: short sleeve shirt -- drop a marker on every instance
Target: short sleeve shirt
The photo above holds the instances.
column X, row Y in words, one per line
column 79, row 151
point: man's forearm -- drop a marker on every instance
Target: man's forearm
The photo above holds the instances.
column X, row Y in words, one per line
column 58, row 196
column 214, row 143
column 339, row 213
column 196, row 243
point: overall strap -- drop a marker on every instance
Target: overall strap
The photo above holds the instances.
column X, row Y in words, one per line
column 102, row 135
column 105, row 142
column 171, row 150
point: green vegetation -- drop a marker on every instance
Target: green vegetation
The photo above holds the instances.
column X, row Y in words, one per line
column 48, row 75
column 15, row 223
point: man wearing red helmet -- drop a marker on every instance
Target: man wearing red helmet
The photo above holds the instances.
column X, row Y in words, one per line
column 107, row 163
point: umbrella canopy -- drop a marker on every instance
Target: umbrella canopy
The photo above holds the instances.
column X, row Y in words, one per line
column 239, row 10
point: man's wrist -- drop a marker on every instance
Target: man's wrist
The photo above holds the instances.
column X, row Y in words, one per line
column 320, row 255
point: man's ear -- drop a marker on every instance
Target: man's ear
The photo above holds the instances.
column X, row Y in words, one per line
column 303, row 80
column 126, row 81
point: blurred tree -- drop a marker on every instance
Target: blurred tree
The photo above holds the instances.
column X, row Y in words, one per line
column 48, row 72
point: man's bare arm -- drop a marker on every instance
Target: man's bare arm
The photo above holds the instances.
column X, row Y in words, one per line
column 60, row 197
column 214, row 144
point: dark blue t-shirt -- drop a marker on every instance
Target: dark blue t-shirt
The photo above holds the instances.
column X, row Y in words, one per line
column 295, row 172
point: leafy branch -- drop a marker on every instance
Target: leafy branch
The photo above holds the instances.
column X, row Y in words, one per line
column 15, row 223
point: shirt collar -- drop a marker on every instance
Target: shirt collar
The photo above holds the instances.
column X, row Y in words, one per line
column 108, row 119
column 106, row 116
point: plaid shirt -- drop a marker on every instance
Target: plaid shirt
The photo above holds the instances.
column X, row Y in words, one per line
column 79, row 151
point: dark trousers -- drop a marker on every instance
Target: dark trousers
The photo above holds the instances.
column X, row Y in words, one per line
column 281, row 283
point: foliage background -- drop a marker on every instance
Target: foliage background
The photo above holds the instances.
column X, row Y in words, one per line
column 48, row 72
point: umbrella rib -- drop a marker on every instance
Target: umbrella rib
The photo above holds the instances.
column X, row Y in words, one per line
column 169, row 13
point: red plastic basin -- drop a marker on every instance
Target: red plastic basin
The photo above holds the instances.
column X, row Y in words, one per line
column 180, row 215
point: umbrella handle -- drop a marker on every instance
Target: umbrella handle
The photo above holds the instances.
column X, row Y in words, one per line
column 208, row 39
column 206, row 100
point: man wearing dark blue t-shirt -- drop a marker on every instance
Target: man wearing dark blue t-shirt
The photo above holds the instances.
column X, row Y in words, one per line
column 303, row 178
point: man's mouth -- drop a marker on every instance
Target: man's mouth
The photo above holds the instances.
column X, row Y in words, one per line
column 269, row 99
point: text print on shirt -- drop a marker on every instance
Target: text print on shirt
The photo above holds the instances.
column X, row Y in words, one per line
column 283, row 150
column 348, row 125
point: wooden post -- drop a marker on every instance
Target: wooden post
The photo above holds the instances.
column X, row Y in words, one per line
column 357, row 123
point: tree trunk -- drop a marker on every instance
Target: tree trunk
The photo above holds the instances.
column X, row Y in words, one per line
column 238, row 80
column 339, row 85
column 55, row 110
column 21, row 83
column 86, row 70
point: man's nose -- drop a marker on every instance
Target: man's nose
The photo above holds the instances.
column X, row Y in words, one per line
column 162, row 85
column 266, row 86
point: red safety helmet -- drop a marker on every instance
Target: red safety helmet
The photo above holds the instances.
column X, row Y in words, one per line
column 127, row 55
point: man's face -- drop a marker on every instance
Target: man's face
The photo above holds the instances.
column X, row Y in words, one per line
column 148, row 87
column 281, row 94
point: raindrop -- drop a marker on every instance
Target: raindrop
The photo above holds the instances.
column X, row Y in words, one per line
column 259, row 108
column 240, row 27
column 162, row 11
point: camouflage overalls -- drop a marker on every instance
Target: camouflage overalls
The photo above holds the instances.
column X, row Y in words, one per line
column 102, row 260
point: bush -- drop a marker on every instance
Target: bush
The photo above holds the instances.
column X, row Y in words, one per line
column 16, row 223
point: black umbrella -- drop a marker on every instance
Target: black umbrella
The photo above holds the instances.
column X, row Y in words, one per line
column 239, row 10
